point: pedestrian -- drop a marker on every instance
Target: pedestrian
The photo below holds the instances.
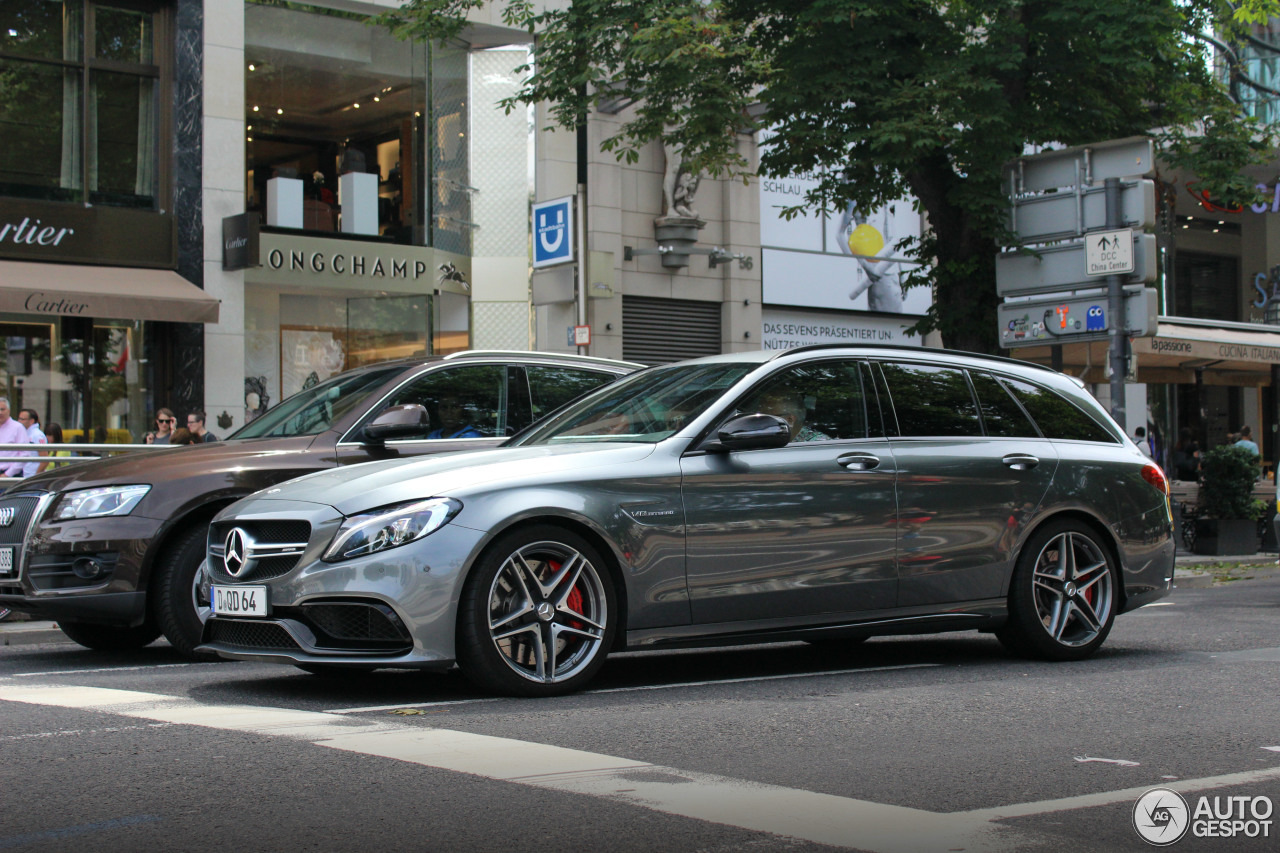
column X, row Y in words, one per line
column 54, row 434
column 165, row 423
column 1140, row 439
column 195, row 425
column 11, row 432
column 1246, row 440
column 1186, row 456
column 182, row 435
column 30, row 419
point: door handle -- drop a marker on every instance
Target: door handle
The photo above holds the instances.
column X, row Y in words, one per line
column 1021, row 461
column 858, row 461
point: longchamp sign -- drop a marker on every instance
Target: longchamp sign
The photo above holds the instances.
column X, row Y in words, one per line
column 363, row 265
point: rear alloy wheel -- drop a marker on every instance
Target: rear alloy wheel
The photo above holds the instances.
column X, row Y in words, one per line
column 537, row 616
column 175, row 592
column 110, row 638
column 1062, row 601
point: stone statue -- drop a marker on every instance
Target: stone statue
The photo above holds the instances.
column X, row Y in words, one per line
column 678, row 185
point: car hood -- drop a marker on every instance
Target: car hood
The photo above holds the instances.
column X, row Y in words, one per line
column 357, row 488
column 156, row 466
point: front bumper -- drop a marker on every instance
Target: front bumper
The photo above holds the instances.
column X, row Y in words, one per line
column 86, row 570
column 402, row 603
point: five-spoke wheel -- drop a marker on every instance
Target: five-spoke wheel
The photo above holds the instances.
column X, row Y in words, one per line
column 538, row 614
column 1062, row 599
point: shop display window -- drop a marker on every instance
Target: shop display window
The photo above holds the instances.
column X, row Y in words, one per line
column 80, row 89
column 328, row 95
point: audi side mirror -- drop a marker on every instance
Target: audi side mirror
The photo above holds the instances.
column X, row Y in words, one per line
column 406, row 421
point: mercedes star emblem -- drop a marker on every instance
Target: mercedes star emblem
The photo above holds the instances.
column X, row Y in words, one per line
column 236, row 557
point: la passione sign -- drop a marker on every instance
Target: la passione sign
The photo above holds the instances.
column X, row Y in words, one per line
column 33, row 230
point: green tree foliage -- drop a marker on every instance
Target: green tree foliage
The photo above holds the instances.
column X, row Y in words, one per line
column 892, row 97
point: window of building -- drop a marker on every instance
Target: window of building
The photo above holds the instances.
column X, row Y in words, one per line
column 1206, row 286
column 326, row 95
column 79, row 101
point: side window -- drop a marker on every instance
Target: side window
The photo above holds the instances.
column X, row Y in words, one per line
column 821, row 402
column 1057, row 416
column 462, row 402
column 932, row 401
column 1001, row 414
column 552, row 387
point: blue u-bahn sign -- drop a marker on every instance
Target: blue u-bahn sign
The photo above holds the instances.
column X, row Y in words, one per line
column 553, row 232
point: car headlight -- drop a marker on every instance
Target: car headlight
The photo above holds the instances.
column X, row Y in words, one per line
column 390, row 527
column 105, row 500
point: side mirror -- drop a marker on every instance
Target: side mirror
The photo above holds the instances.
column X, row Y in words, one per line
column 407, row 421
column 751, row 432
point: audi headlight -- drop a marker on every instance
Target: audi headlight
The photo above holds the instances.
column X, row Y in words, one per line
column 390, row 527
column 106, row 500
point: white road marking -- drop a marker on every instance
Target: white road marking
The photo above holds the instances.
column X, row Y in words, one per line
column 372, row 708
column 1120, row 762
column 1161, row 604
column 101, row 669
column 1272, row 748
column 71, row 732
column 1129, row 795
column 822, row 818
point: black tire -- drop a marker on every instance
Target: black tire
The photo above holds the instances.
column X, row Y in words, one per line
column 1063, row 595
column 555, row 610
column 172, row 596
column 335, row 670
column 110, row 638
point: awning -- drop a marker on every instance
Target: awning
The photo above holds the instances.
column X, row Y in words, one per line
column 68, row 290
column 1227, row 353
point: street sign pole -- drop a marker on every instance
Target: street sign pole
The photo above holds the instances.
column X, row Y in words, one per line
column 1115, row 308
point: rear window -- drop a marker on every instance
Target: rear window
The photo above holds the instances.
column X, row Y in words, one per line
column 932, row 401
column 1057, row 416
column 1001, row 414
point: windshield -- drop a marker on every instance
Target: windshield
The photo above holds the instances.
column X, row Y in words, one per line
column 648, row 406
column 314, row 410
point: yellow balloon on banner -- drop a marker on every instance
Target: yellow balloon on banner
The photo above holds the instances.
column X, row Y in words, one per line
column 865, row 240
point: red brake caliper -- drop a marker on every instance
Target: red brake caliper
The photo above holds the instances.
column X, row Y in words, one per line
column 574, row 601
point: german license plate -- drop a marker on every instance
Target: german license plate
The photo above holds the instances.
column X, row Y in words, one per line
column 239, row 600
column 6, row 560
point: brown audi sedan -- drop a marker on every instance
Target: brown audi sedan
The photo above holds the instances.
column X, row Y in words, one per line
column 111, row 548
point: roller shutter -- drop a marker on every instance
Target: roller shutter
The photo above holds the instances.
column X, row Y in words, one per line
column 659, row 331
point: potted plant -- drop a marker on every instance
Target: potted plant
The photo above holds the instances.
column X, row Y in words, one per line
column 1229, row 525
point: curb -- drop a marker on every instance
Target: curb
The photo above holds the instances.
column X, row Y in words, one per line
column 31, row 634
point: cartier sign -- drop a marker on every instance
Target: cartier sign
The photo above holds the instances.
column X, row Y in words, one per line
column 33, row 230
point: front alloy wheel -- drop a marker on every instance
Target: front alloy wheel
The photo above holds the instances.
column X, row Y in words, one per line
column 1063, row 596
column 537, row 615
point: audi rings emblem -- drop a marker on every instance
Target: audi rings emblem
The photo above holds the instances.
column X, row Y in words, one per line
column 236, row 559
column 7, row 515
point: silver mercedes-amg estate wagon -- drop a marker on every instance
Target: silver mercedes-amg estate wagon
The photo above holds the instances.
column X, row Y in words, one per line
column 821, row 493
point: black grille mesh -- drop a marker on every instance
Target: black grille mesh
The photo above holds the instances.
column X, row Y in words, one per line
column 354, row 622
column 263, row 533
column 23, row 506
column 250, row 635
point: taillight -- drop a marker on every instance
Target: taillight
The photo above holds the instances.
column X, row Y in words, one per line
column 1152, row 474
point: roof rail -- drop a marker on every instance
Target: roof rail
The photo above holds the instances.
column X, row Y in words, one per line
column 916, row 349
column 472, row 353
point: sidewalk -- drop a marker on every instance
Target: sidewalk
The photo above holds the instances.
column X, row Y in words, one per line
column 1192, row 571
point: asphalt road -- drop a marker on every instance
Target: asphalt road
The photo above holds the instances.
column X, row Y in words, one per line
column 903, row 744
